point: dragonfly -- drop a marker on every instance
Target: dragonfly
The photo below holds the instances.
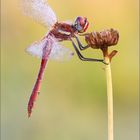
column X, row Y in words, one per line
column 49, row 46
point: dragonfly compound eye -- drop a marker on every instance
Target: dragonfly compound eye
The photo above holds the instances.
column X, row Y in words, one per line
column 81, row 24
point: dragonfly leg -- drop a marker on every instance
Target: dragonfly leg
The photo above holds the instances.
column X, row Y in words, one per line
column 81, row 47
column 82, row 57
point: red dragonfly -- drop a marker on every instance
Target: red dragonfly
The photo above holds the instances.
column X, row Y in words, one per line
column 49, row 46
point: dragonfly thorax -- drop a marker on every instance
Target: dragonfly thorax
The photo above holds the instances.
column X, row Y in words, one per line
column 63, row 31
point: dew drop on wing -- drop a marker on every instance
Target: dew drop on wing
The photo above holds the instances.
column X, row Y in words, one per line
column 60, row 53
column 40, row 11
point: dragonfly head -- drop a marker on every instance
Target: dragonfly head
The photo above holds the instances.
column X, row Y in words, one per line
column 81, row 24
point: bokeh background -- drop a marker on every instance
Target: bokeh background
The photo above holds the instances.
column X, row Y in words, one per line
column 73, row 102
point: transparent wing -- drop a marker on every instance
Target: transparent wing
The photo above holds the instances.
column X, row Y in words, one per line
column 40, row 11
column 58, row 52
column 36, row 49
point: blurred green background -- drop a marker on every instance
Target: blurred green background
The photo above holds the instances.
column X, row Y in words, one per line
column 73, row 103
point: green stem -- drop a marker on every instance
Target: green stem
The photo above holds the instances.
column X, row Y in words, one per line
column 109, row 98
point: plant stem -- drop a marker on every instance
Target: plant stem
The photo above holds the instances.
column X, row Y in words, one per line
column 109, row 98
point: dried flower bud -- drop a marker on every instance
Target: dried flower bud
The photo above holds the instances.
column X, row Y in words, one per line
column 103, row 39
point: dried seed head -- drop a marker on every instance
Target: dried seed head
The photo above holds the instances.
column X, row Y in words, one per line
column 103, row 39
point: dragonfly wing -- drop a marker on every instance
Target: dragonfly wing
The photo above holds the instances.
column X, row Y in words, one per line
column 40, row 11
column 36, row 49
column 60, row 53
